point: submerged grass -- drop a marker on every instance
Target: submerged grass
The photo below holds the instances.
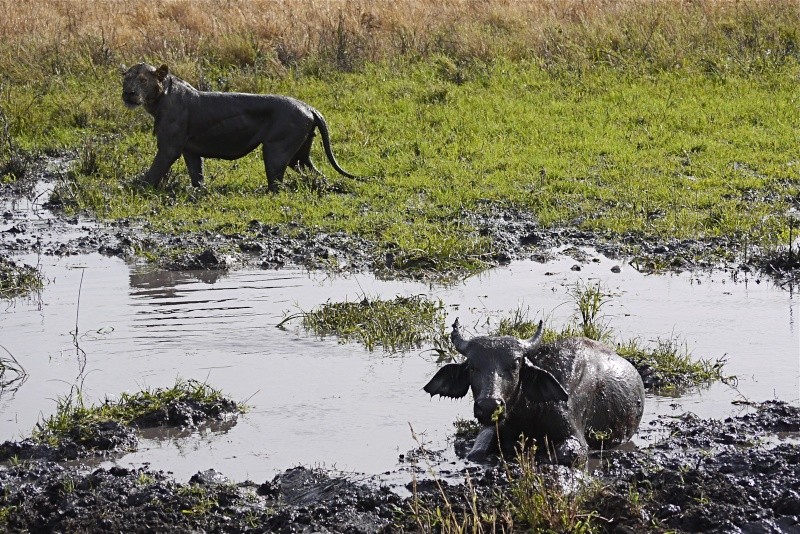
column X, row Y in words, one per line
column 399, row 324
column 667, row 120
column 12, row 373
column 18, row 279
column 73, row 417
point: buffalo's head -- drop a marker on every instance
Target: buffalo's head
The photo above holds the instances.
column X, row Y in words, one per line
column 498, row 371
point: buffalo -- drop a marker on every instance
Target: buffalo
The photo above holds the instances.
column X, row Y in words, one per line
column 570, row 396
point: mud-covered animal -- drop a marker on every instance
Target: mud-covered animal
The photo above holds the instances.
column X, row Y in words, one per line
column 570, row 395
column 199, row 124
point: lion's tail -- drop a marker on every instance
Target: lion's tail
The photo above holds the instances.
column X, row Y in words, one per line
column 319, row 121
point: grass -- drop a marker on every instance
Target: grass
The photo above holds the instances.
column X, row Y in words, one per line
column 666, row 120
column 668, row 367
column 12, row 374
column 399, row 324
column 404, row 323
column 540, row 502
column 202, row 502
column 527, row 498
column 73, row 417
column 18, row 279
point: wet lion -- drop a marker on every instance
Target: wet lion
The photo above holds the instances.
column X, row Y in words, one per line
column 200, row 124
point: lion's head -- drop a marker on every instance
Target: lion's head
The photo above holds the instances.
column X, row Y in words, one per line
column 143, row 84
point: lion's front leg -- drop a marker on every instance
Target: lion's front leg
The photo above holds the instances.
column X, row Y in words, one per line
column 161, row 164
column 195, row 166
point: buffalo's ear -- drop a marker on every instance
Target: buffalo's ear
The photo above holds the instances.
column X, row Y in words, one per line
column 161, row 72
column 452, row 381
column 122, row 69
column 539, row 385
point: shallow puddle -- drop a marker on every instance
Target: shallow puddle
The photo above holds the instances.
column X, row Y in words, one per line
column 317, row 402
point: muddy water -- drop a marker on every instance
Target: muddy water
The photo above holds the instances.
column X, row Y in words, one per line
column 318, row 402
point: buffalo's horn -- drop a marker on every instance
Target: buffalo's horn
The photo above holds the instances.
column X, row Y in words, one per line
column 532, row 343
column 459, row 342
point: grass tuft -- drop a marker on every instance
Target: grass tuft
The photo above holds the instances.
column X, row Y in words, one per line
column 74, row 419
column 545, row 504
column 400, row 324
column 527, row 498
column 18, row 279
column 12, row 374
column 668, row 366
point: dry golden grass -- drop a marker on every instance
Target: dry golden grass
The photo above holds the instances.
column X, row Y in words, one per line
column 345, row 33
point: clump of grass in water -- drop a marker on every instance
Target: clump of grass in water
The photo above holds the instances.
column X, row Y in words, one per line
column 399, row 324
column 466, row 427
column 668, row 367
column 73, row 414
column 589, row 300
column 12, row 374
column 17, row 280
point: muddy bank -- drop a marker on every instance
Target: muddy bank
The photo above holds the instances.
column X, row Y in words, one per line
column 40, row 227
column 740, row 474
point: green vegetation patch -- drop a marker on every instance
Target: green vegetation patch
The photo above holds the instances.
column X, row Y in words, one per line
column 665, row 121
column 667, row 366
column 399, row 324
column 18, row 279
column 532, row 499
column 188, row 402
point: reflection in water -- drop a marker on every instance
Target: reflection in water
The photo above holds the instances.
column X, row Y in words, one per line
column 161, row 284
column 318, row 401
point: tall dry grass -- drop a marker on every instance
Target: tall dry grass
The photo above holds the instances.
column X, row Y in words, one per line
column 343, row 34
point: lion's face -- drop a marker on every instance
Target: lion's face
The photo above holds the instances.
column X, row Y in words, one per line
column 143, row 84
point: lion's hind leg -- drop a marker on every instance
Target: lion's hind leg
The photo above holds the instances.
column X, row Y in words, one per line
column 194, row 164
column 301, row 161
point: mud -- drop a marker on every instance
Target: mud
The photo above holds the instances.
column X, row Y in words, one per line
column 110, row 437
column 741, row 474
column 702, row 475
column 515, row 235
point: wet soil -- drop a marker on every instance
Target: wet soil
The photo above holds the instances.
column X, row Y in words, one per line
column 733, row 475
column 515, row 235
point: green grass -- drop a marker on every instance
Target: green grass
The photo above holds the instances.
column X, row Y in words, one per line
column 666, row 120
column 399, row 324
column 74, row 417
column 534, row 500
column 669, row 367
column 668, row 154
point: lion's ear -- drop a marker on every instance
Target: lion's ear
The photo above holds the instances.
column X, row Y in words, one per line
column 162, row 72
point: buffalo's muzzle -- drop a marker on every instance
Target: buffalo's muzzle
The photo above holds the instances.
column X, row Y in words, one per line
column 485, row 410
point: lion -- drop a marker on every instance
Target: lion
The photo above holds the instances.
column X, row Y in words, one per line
column 199, row 124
